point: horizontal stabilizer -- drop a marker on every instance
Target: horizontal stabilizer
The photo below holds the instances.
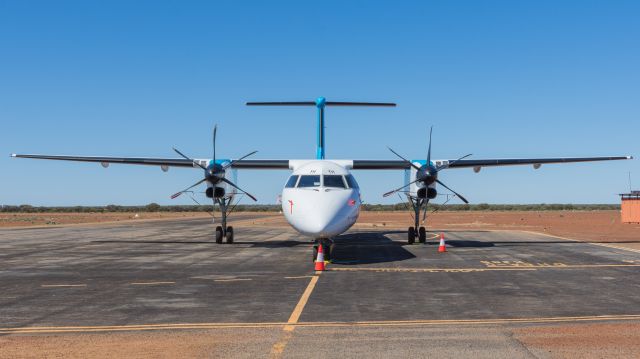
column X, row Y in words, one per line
column 327, row 103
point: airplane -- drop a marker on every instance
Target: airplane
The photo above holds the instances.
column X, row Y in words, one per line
column 321, row 198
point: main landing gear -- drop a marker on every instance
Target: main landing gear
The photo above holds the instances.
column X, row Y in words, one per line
column 224, row 232
column 327, row 248
column 415, row 231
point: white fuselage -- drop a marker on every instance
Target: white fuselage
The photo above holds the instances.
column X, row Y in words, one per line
column 321, row 199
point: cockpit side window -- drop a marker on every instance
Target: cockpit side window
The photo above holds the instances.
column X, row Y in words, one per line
column 309, row 181
column 352, row 181
column 291, row 183
column 335, row 181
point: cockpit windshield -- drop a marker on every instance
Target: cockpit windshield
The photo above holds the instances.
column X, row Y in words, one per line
column 309, row 181
column 351, row 181
column 335, row 181
column 291, row 182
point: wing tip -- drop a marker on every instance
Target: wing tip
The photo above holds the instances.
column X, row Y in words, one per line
column 629, row 157
column 13, row 155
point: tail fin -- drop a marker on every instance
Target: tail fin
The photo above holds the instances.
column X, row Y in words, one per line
column 320, row 103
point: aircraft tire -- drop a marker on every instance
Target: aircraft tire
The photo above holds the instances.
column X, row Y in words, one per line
column 315, row 253
column 412, row 235
column 422, row 235
column 229, row 236
column 219, row 234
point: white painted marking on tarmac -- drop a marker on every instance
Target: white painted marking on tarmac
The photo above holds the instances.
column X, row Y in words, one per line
column 62, row 285
column 151, row 283
column 232, row 280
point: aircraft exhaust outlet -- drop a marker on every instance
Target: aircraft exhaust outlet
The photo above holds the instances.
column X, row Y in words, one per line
column 443, row 246
column 431, row 193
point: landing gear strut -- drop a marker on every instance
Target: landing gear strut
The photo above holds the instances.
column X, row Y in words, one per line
column 415, row 231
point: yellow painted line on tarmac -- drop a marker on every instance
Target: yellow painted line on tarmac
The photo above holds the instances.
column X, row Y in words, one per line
column 431, row 270
column 278, row 348
column 62, row 285
column 472, row 321
column 439, row 322
column 569, row 266
column 232, row 280
column 151, row 283
column 486, row 269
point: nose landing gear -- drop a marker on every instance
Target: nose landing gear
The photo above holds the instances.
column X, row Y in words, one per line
column 327, row 248
column 417, row 232
column 222, row 231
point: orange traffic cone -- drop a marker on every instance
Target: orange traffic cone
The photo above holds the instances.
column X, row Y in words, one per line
column 320, row 259
column 443, row 246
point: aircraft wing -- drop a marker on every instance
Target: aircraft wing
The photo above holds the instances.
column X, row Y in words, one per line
column 397, row 164
column 354, row 164
column 170, row 162
column 174, row 162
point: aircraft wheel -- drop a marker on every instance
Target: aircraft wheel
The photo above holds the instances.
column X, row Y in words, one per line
column 315, row 253
column 422, row 235
column 412, row 235
column 229, row 236
column 219, row 234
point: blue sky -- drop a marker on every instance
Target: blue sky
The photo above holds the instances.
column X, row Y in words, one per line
column 495, row 78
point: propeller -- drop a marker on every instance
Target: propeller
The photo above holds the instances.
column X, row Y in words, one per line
column 428, row 173
column 214, row 173
column 177, row 194
column 454, row 192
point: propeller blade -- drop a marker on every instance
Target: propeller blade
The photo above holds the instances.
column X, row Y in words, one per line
column 452, row 162
column 177, row 194
column 454, row 192
column 406, row 160
column 397, row 189
column 238, row 188
column 239, row 159
column 215, row 130
column 187, row 158
column 429, row 152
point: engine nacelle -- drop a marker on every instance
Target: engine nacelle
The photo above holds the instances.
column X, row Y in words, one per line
column 431, row 193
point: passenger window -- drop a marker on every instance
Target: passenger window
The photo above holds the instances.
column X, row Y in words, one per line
column 334, row 181
column 352, row 181
column 291, row 183
column 309, row 181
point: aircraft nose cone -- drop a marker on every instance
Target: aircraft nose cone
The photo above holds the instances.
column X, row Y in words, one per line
column 321, row 214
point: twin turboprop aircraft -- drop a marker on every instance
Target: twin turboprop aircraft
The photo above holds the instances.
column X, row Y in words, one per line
column 321, row 198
